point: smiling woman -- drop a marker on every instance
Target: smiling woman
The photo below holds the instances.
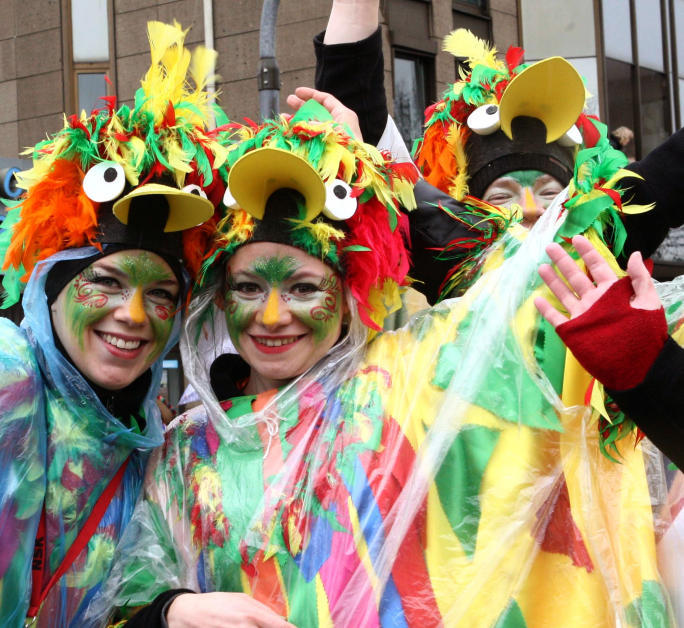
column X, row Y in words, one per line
column 284, row 311
column 115, row 317
column 96, row 244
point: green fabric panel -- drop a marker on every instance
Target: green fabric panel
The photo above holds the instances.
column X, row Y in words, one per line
column 507, row 389
column 549, row 352
column 301, row 595
column 459, row 478
column 650, row 610
column 512, row 617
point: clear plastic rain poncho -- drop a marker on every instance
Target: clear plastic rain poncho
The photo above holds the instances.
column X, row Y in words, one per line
column 61, row 447
column 460, row 471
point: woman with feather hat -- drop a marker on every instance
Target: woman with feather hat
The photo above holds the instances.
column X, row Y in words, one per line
column 96, row 246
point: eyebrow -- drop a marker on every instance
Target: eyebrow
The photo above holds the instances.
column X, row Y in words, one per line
column 108, row 268
column 296, row 276
column 113, row 270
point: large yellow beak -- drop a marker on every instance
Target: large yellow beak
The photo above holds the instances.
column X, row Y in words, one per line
column 259, row 173
column 550, row 90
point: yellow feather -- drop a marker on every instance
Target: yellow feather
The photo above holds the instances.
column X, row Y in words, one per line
column 462, row 43
column 329, row 164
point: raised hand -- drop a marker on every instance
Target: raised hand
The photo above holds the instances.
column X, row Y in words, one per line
column 582, row 292
column 617, row 327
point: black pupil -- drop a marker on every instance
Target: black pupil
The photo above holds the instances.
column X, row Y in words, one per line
column 195, row 191
column 110, row 175
column 491, row 109
column 340, row 191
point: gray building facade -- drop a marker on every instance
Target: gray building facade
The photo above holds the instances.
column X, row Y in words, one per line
column 55, row 55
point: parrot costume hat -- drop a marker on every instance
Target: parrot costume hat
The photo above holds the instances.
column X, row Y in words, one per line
column 303, row 180
column 132, row 177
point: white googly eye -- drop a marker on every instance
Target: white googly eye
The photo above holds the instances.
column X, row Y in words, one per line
column 229, row 201
column 195, row 189
column 339, row 203
column 572, row 137
column 104, row 182
column 485, row 120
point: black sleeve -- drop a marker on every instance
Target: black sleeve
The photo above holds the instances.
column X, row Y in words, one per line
column 431, row 229
column 662, row 184
column 153, row 615
column 354, row 74
column 657, row 404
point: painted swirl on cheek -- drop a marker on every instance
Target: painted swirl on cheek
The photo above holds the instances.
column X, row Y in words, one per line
column 84, row 305
column 87, row 294
column 325, row 311
column 325, row 315
column 162, row 324
column 163, row 312
column 238, row 316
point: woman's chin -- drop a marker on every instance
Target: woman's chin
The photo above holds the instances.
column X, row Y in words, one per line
column 113, row 378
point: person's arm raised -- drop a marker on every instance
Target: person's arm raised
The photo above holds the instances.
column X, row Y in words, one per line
column 351, row 21
column 617, row 331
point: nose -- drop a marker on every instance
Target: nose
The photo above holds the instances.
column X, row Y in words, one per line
column 273, row 312
column 134, row 309
column 532, row 209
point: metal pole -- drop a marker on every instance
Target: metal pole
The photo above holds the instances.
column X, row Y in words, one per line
column 209, row 43
column 268, row 75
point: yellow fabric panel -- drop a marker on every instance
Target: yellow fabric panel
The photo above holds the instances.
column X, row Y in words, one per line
column 572, row 598
column 322, row 605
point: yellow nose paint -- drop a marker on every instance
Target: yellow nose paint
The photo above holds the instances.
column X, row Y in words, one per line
column 271, row 312
column 529, row 202
column 136, row 308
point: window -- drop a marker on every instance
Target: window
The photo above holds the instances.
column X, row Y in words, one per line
column 91, row 46
column 411, row 94
column 414, row 51
column 638, row 80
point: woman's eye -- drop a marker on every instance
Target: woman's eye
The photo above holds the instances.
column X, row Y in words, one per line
column 161, row 294
column 105, row 282
column 499, row 199
column 247, row 288
column 550, row 193
column 303, row 289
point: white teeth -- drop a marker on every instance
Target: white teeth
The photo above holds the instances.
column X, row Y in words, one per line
column 277, row 342
column 120, row 342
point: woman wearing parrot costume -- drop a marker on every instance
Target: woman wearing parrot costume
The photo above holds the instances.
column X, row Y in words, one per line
column 462, row 470
column 96, row 246
column 505, row 141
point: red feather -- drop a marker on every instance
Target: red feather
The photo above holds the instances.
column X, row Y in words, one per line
column 514, row 58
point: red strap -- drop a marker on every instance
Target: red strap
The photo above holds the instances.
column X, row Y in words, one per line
column 84, row 535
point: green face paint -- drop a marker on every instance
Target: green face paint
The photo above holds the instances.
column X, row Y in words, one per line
column 526, row 178
column 96, row 292
column 85, row 303
column 322, row 311
column 317, row 305
column 143, row 270
column 274, row 270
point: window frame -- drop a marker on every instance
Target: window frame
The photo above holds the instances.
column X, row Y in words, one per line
column 71, row 69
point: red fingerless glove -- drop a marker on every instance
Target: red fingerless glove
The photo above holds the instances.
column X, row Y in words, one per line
column 615, row 342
